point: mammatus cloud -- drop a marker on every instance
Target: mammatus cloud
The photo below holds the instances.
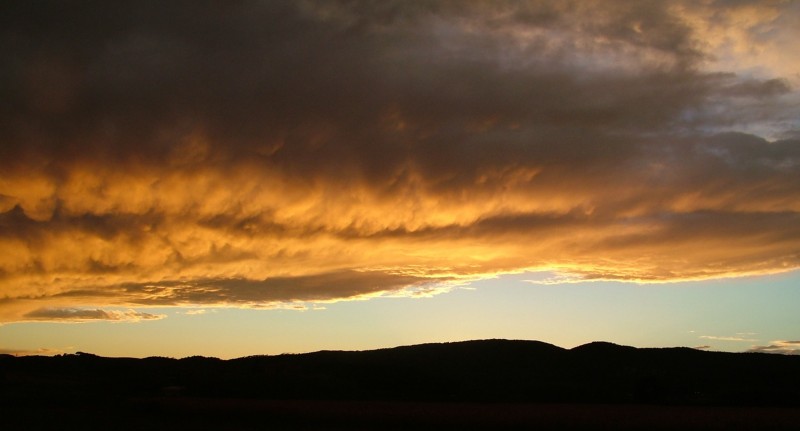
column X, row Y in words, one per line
column 780, row 346
column 258, row 154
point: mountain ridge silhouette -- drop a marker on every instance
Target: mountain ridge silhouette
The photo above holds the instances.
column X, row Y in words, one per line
column 479, row 370
column 480, row 384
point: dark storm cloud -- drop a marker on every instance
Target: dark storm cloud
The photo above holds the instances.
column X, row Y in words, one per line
column 255, row 152
column 251, row 73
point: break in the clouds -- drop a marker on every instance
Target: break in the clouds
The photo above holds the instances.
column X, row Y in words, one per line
column 259, row 153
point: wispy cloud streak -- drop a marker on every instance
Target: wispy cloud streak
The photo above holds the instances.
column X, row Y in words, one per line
column 726, row 338
column 780, row 346
column 84, row 315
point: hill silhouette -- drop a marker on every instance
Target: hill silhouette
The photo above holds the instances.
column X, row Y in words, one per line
column 479, row 373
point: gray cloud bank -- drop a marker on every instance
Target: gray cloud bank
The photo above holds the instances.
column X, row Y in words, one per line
column 248, row 153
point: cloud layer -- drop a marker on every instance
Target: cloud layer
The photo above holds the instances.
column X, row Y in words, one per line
column 780, row 346
column 264, row 153
column 83, row 315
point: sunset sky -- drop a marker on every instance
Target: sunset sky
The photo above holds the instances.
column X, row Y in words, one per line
column 256, row 177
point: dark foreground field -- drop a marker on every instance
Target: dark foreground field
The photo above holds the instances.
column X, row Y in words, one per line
column 493, row 384
column 222, row 414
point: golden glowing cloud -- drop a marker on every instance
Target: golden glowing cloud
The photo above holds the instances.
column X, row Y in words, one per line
column 320, row 152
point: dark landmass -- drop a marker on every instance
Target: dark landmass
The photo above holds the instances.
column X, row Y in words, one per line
column 491, row 384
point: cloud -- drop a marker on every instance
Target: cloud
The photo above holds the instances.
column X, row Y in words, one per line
column 31, row 352
column 745, row 35
column 780, row 346
column 72, row 315
column 703, row 347
column 301, row 293
column 736, row 338
column 195, row 311
column 257, row 154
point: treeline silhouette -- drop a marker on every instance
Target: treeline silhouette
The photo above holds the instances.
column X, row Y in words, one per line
column 477, row 372
column 489, row 370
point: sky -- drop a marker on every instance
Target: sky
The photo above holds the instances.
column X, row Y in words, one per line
column 259, row 177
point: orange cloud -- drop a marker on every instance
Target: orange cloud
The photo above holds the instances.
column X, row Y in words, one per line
column 406, row 154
